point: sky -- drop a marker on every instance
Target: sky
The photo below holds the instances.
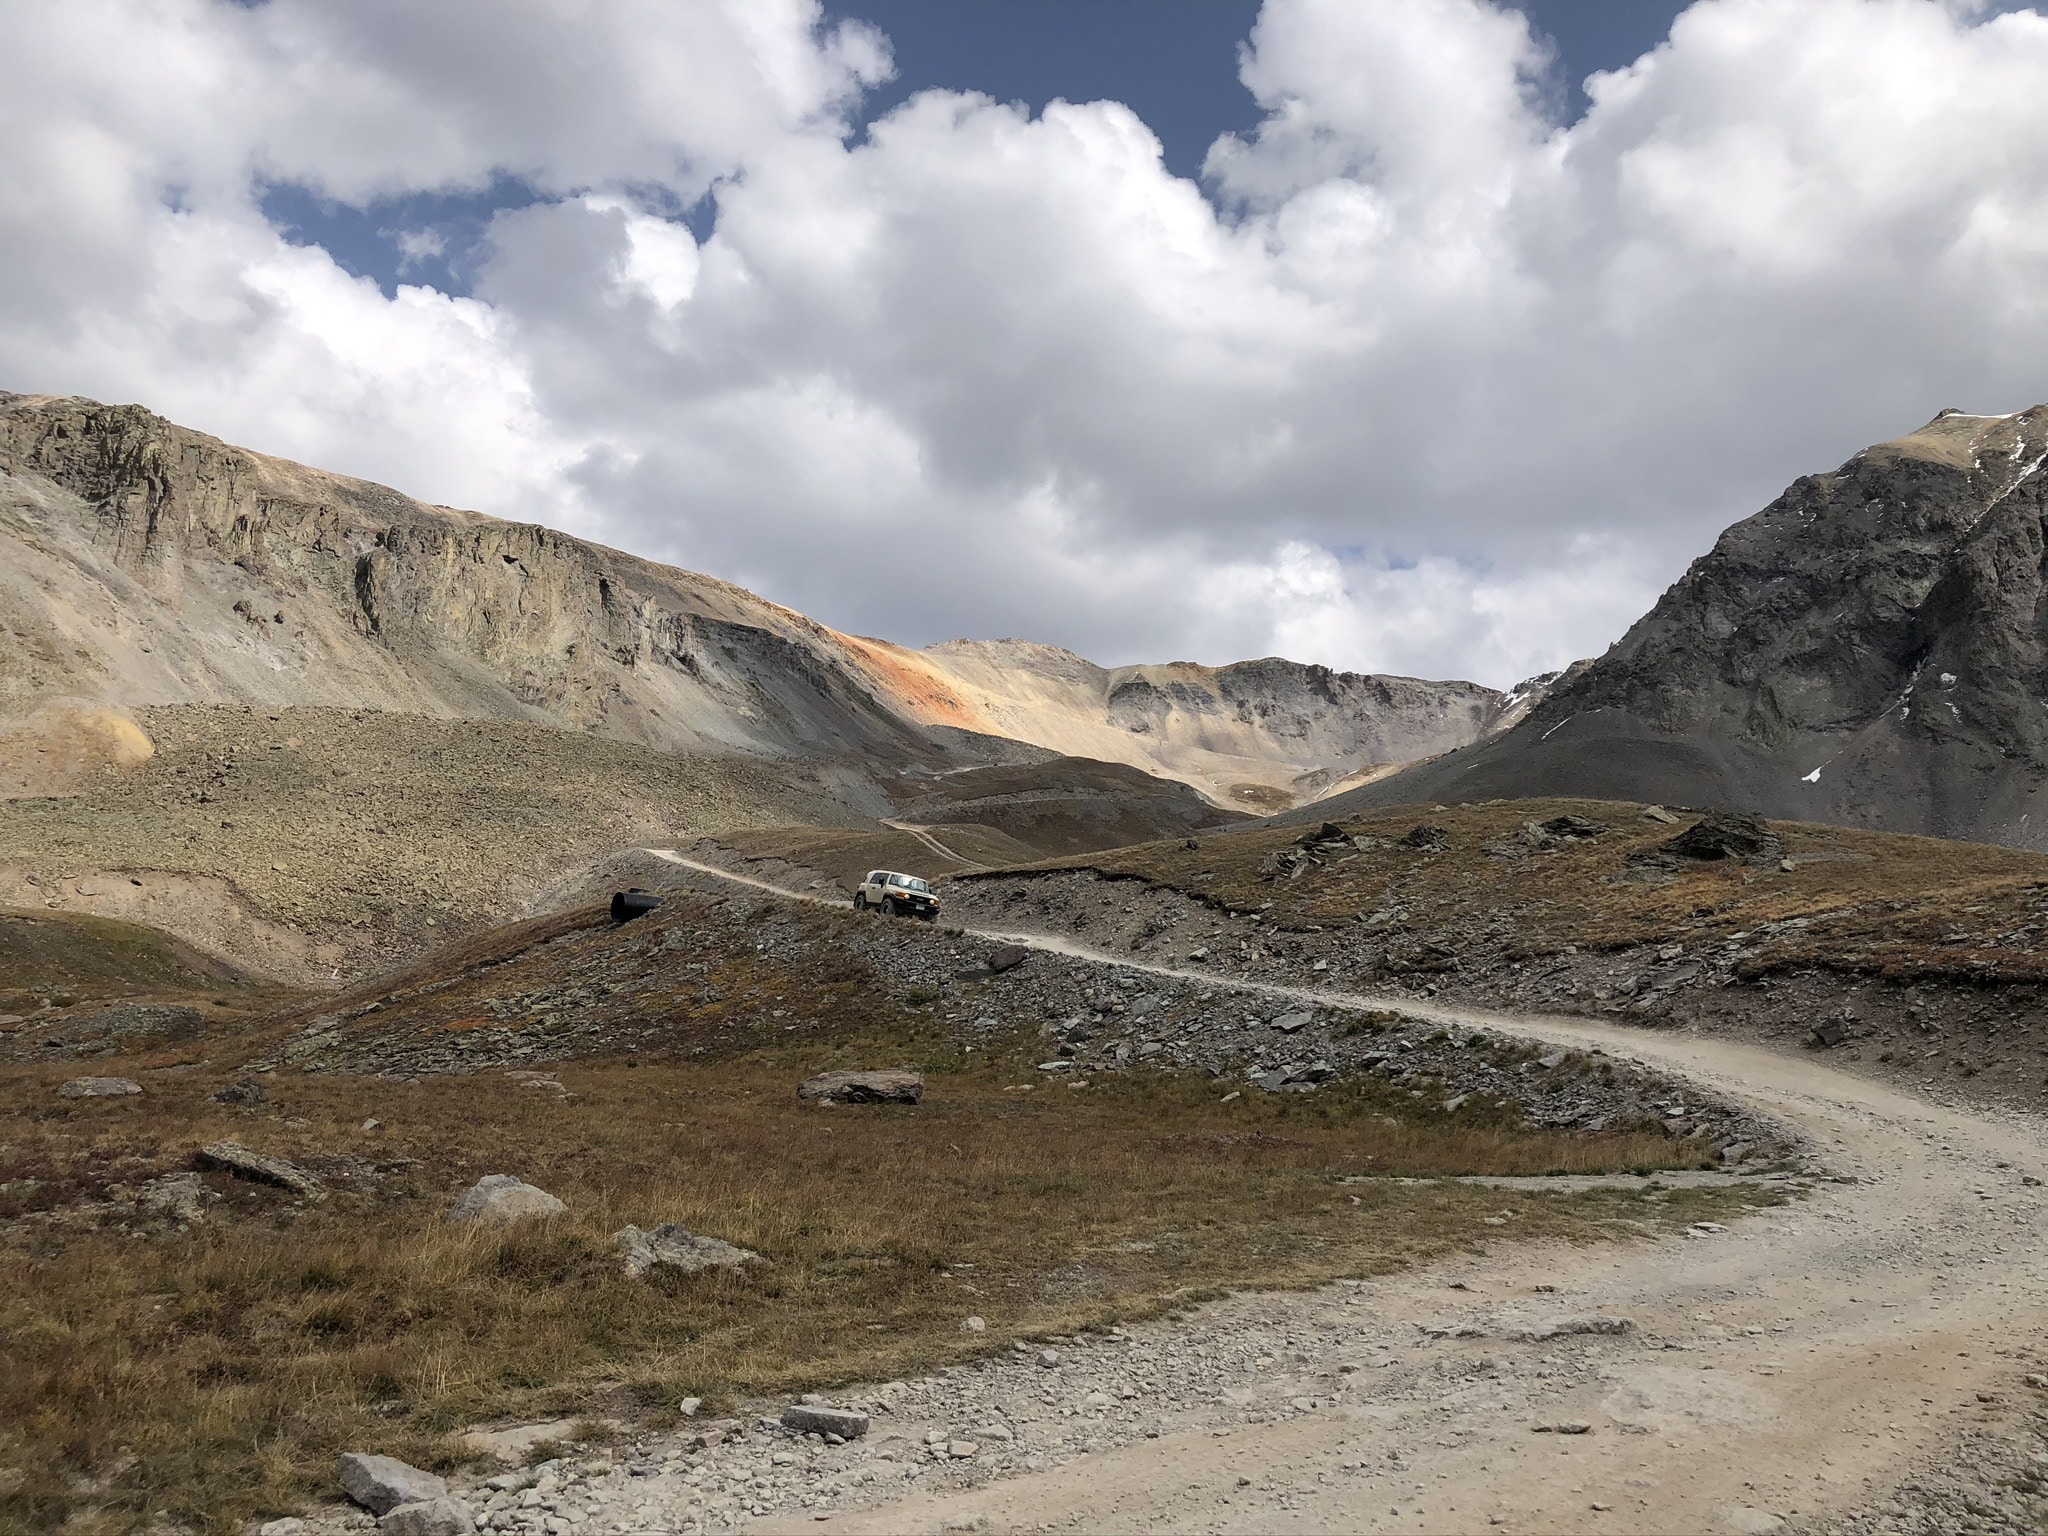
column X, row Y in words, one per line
column 1424, row 336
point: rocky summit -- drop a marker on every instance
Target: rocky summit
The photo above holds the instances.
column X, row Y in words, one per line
column 1868, row 650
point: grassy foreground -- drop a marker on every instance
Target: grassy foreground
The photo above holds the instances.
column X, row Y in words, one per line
column 211, row 1374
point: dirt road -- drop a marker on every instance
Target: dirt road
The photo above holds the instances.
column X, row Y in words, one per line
column 1797, row 1369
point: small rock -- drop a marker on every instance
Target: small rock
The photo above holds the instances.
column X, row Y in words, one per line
column 246, row 1163
column 499, row 1199
column 973, row 1325
column 1706, row 1228
column 430, row 1517
column 962, row 1449
column 287, row 1527
column 863, row 1087
column 1427, row 839
column 1565, row 1427
column 1049, row 1358
column 1288, row 1023
column 381, row 1483
column 372, row 1125
column 1554, row 1059
column 243, row 1090
column 99, row 1087
column 1658, row 814
column 676, row 1247
column 806, row 1419
column 688, row 1407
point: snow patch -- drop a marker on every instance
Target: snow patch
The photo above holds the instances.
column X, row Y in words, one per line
column 1810, row 778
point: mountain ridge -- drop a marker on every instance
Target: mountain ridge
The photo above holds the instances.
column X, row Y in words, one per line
column 1870, row 649
column 153, row 564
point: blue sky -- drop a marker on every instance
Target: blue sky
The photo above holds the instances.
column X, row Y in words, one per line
column 1174, row 62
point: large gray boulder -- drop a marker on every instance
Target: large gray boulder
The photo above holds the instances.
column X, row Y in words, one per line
column 99, row 1087
column 498, row 1199
column 863, row 1088
column 674, row 1246
column 430, row 1517
column 381, row 1483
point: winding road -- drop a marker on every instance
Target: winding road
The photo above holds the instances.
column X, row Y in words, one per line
column 1803, row 1363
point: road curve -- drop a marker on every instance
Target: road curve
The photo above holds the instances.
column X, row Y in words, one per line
column 1803, row 1363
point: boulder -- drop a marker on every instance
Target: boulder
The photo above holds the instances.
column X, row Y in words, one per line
column 382, row 1483
column 864, row 1087
column 179, row 1196
column 246, row 1163
column 1007, row 957
column 99, row 1087
column 1727, row 835
column 1288, row 1023
column 498, row 1199
column 243, row 1090
column 1428, row 839
column 1572, row 828
column 808, row 1419
column 429, row 1517
column 674, row 1246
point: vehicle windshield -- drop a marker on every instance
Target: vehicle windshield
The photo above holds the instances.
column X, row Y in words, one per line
column 909, row 882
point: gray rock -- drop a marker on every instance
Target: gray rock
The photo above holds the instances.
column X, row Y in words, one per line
column 180, row 1196
column 287, row 1527
column 676, row 1247
column 1554, row 1059
column 1288, row 1023
column 381, row 1483
column 894, row 1087
column 1007, row 957
column 99, row 1087
column 498, row 1199
column 807, row 1419
column 246, row 1163
column 1567, row 1327
column 429, row 1517
column 242, row 1090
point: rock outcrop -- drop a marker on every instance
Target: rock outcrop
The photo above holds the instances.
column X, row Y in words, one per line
column 1870, row 649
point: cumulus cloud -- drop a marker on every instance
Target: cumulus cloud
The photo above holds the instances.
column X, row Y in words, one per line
column 1415, row 379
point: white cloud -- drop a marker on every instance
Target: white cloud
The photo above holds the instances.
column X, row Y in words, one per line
column 1424, row 383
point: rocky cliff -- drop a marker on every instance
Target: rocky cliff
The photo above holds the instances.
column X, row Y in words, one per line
column 142, row 564
column 1871, row 649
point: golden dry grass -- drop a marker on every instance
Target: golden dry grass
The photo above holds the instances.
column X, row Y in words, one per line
column 214, row 1374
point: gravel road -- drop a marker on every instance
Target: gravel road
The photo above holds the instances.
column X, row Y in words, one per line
column 1867, row 1358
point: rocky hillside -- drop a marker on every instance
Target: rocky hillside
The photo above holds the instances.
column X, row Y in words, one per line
column 143, row 564
column 1870, row 649
column 1258, row 734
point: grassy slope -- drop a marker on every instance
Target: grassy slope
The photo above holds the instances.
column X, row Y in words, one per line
column 1865, row 902
column 233, row 1360
column 400, row 828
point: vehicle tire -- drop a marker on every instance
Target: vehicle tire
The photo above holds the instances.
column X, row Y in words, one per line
column 860, row 901
column 889, row 907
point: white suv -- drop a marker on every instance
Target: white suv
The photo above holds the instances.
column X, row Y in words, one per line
column 896, row 895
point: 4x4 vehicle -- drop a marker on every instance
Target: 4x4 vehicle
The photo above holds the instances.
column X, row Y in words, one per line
column 896, row 895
